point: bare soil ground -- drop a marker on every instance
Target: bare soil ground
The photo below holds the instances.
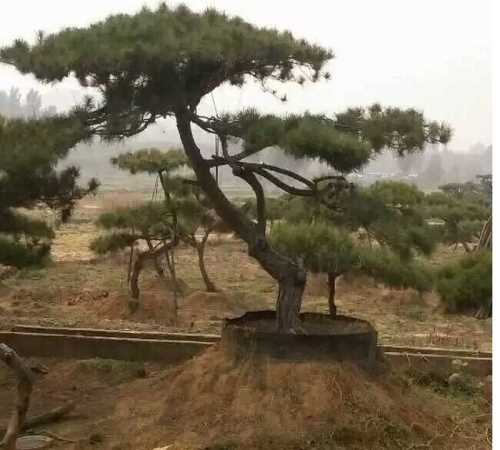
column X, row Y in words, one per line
column 211, row 403
column 79, row 289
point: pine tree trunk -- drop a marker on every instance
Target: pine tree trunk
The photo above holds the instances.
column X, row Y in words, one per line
column 290, row 276
column 172, row 282
column 332, row 278
column 210, row 286
column 137, row 267
column 291, row 290
column 156, row 262
column 169, row 256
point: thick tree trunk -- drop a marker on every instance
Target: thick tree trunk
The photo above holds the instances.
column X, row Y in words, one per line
column 291, row 290
column 200, row 248
column 290, row 276
column 332, row 279
column 24, row 387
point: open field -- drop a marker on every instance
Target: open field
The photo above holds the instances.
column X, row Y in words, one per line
column 209, row 403
column 79, row 289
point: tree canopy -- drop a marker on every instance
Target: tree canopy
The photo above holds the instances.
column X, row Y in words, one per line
column 465, row 285
column 463, row 209
column 181, row 216
column 162, row 62
column 29, row 152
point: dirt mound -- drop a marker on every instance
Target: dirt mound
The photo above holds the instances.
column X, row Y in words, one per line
column 153, row 308
column 155, row 305
column 210, row 402
column 203, row 299
column 202, row 305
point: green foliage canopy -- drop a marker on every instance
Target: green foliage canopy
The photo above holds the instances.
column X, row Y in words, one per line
column 29, row 153
column 463, row 209
column 157, row 62
column 466, row 285
column 322, row 248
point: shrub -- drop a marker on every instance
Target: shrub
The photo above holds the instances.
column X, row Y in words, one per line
column 465, row 286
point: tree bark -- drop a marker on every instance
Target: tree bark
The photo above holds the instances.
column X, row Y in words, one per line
column 290, row 276
column 169, row 258
column 24, row 388
column 291, row 290
column 200, row 248
column 332, row 279
column 156, row 262
column 130, row 261
column 169, row 253
column 485, row 237
column 137, row 267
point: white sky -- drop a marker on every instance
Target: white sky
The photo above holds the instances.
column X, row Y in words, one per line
column 433, row 55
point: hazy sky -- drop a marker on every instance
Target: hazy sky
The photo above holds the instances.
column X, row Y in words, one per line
column 433, row 55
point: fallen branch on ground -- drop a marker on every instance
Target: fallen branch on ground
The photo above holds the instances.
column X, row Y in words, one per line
column 24, row 387
column 56, row 437
column 48, row 417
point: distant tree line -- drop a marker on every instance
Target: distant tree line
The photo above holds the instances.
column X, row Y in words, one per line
column 12, row 105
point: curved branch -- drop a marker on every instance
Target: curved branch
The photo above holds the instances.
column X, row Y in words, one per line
column 235, row 159
column 256, row 186
column 280, row 170
column 247, row 175
column 243, row 227
column 282, row 185
column 329, row 177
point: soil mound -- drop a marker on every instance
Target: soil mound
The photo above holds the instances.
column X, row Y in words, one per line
column 155, row 305
column 200, row 305
column 211, row 402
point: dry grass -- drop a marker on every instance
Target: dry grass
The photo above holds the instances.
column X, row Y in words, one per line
column 95, row 294
column 80, row 289
column 210, row 402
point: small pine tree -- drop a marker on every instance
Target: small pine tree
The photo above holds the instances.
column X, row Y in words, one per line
column 150, row 224
column 465, row 286
column 184, row 215
column 29, row 153
column 323, row 248
column 463, row 209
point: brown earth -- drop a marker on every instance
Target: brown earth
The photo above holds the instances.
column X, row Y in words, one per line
column 209, row 402
column 212, row 403
column 94, row 294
